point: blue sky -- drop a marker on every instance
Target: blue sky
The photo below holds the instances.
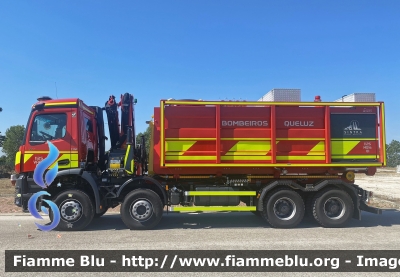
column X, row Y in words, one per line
column 196, row 49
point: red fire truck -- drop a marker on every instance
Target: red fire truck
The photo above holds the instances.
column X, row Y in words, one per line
column 279, row 160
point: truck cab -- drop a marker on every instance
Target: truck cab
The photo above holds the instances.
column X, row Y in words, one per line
column 70, row 125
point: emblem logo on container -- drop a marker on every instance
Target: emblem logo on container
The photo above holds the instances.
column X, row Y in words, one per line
column 353, row 128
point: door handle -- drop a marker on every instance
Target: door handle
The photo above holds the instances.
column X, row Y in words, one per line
column 63, row 162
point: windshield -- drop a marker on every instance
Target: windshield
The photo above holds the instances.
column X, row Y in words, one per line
column 48, row 127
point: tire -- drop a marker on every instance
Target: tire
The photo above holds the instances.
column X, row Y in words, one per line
column 333, row 208
column 283, row 208
column 141, row 209
column 76, row 210
column 100, row 214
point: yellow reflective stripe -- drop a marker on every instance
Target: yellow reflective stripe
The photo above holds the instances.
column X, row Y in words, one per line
column 125, row 159
column 60, row 103
column 220, row 193
column 74, row 157
column 65, row 155
column 300, row 158
column 162, row 141
column 318, row 149
column 383, row 134
column 190, row 138
column 150, row 162
column 244, row 153
column 27, row 157
column 131, row 168
column 358, row 139
column 300, row 138
column 258, row 139
column 316, row 154
column 343, row 146
column 86, row 109
column 215, row 208
column 355, row 156
column 174, row 153
column 245, row 158
column 261, row 104
column 190, row 158
column 18, row 158
column 178, row 145
column 190, row 177
column 251, row 146
column 275, row 165
column 46, row 152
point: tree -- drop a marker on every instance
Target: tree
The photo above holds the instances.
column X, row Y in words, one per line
column 13, row 139
column 3, row 164
column 146, row 135
column 393, row 153
column 2, row 139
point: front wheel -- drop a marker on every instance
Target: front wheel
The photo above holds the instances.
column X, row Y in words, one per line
column 333, row 208
column 141, row 209
column 76, row 210
column 283, row 208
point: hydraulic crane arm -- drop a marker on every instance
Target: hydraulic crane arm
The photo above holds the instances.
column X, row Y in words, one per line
column 118, row 132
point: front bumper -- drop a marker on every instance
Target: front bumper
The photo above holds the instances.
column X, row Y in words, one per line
column 24, row 188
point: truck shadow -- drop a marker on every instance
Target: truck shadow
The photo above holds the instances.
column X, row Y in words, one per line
column 225, row 220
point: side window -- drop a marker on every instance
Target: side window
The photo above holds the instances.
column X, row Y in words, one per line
column 88, row 125
column 48, row 127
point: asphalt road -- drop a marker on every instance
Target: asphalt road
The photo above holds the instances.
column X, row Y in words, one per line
column 219, row 231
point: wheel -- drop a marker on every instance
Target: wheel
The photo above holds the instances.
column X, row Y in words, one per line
column 283, row 208
column 100, row 214
column 333, row 208
column 76, row 210
column 141, row 209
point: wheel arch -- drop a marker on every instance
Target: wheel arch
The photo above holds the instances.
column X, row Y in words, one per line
column 89, row 185
column 143, row 182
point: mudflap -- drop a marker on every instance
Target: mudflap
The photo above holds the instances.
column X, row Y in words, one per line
column 365, row 207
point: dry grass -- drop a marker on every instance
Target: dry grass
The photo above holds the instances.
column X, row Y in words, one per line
column 7, row 205
column 6, row 188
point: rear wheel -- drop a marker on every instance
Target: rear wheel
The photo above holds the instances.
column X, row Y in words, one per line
column 333, row 208
column 76, row 210
column 142, row 209
column 283, row 208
